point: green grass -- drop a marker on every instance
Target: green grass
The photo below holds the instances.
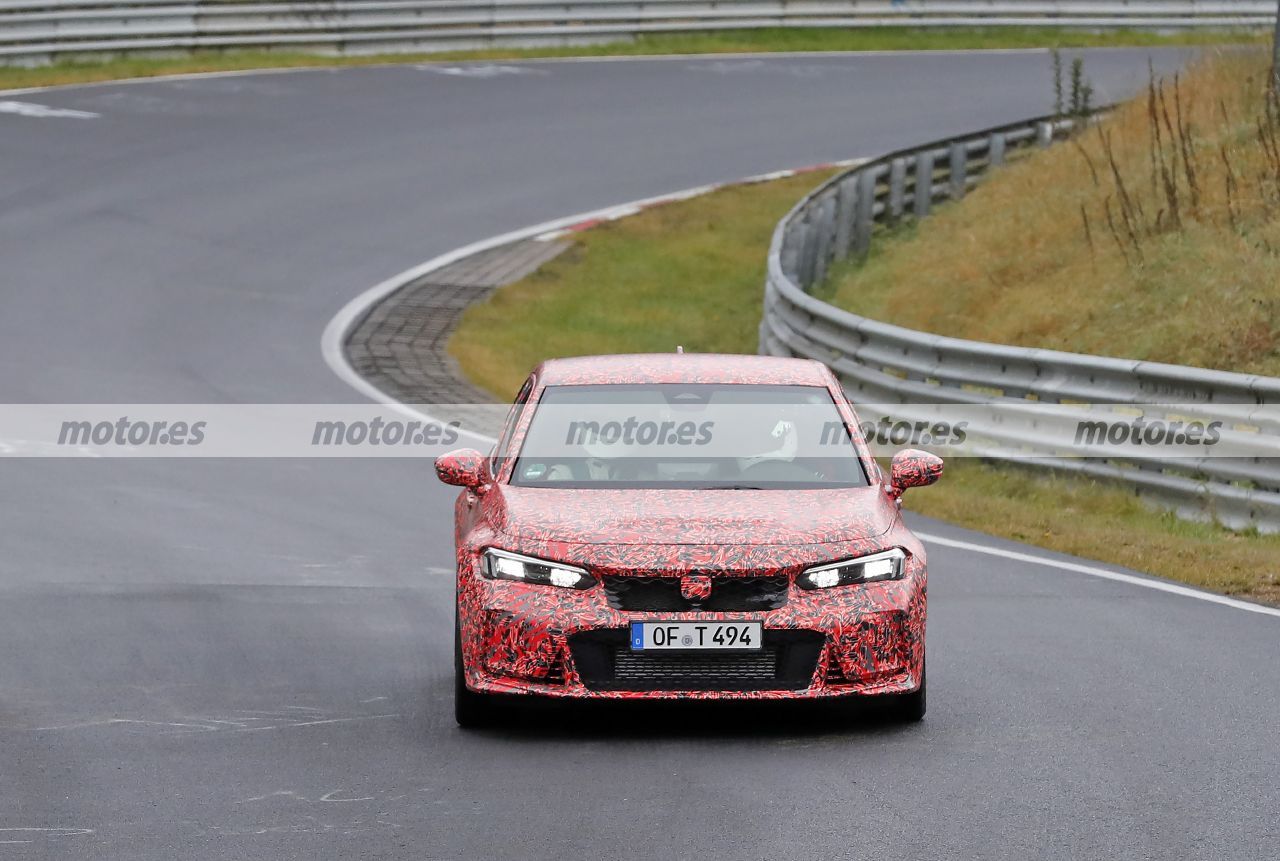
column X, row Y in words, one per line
column 692, row 272
column 686, row 273
column 1101, row 521
column 729, row 41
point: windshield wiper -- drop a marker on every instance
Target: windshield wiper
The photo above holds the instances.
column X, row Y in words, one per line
column 732, row 487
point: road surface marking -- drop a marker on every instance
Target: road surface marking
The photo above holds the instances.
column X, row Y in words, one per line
column 31, row 109
column 478, row 71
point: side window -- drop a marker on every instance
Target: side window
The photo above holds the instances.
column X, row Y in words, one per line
column 498, row 457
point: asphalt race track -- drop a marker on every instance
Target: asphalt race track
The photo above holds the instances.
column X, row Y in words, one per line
column 251, row 659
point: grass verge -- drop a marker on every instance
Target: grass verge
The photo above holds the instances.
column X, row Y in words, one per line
column 728, row 41
column 1155, row 235
column 691, row 273
column 1104, row 522
column 680, row 273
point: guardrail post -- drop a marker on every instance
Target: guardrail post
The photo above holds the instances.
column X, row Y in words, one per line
column 1044, row 134
column 864, row 216
column 789, row 255
column 897, row 188
column 808, row 253
column 959, row 163
column 923, row 196
column 995, row 149
column 846, row 202
column 826, row 227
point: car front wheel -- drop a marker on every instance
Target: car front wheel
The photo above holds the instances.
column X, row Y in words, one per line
column 471, row 710
column 910, row 708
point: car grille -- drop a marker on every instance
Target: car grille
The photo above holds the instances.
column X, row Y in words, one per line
column 786, row 661
column 728, row 594
column 757, row 666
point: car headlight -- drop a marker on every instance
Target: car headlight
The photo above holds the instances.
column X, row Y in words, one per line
column 887, row 565
column 501, row 565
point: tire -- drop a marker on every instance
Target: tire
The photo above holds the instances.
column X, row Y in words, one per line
column 910, row 708
column 471, row 710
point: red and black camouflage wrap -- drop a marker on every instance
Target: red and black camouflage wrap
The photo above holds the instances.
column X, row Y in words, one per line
column 461, row 467
column 914, row 468
column 514, row 636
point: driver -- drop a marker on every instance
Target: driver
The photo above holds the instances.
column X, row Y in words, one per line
column 779, row 442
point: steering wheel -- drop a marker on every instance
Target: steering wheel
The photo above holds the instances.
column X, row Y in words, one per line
column 779, row 471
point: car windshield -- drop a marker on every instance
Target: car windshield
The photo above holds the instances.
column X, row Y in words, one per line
column 682, row 435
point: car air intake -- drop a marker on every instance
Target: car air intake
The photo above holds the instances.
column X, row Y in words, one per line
column 728, row 594
column 761, row 665
column 785, row 662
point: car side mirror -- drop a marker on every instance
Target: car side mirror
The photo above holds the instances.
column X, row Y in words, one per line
column 464, row 467
column 913, row 468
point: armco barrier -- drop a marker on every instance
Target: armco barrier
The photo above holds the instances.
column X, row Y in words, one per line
column 40, row 31
column 921, row 374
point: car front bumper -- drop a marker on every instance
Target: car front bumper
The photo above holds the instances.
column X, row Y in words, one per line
column 846, row 641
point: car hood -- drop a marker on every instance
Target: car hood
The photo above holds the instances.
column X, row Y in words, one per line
column 706, row 517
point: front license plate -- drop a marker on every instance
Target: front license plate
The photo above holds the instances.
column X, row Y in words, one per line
column 694, row 636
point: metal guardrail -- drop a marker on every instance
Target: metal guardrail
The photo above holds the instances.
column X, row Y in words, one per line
column 922, row 374
column 39, row 31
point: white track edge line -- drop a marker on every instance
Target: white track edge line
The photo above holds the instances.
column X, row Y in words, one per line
column 331, row 342
column 176, row 77
column 1103, row 573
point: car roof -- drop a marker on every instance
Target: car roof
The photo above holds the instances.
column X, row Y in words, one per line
column 681, row 368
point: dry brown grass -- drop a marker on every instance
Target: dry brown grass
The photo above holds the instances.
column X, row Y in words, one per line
column 1180, row 260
